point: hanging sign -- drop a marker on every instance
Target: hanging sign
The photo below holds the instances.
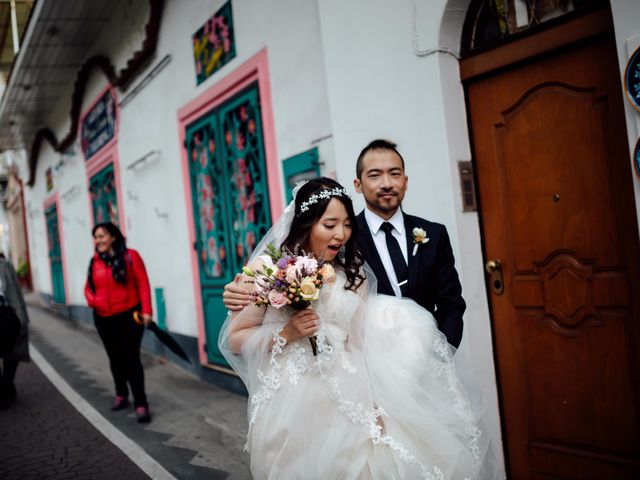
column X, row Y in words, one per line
column 214, row 44
column 99, row 125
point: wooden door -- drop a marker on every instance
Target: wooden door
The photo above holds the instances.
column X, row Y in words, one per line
column 55, row 254
column 230, row 200
column 557, row 208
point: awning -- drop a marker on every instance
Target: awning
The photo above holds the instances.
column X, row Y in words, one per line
column 55, row 45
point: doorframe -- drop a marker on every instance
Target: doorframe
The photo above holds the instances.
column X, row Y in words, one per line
column 54, row 199
column 471, row 237
column 583, row 28
column 255, row 69
column 106, row 155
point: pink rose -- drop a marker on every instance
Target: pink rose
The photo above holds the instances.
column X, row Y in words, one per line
column 277, row 299
column 292, row 273
column 328, row 273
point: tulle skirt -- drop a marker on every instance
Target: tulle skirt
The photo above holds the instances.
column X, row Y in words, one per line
column 382, row 402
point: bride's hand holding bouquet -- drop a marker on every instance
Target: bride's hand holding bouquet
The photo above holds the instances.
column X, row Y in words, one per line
column 303, row 323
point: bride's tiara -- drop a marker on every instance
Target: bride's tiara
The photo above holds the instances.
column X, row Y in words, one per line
column 323, row 194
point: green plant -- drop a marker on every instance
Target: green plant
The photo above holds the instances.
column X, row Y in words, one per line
column 23, row 269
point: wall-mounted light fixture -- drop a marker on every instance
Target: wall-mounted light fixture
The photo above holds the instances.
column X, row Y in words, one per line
column 71, row 193
column 144, row 160
column 160, row 214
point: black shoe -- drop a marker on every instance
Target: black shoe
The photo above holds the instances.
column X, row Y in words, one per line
column 143, row 414
column 7, row 393
column 10, row 392
column 120, row 404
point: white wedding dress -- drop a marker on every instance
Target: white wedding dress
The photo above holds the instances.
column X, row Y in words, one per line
column 381, row 400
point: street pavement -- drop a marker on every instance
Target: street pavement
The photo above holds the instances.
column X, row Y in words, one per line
column 44, row 436
column 197, row 432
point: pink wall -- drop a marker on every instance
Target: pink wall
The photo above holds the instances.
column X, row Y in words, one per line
column 254, row 69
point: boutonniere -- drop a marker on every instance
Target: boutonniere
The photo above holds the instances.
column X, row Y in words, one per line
column 419, row 238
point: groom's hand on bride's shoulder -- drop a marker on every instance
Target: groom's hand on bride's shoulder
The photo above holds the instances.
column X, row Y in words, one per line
column 235, row 296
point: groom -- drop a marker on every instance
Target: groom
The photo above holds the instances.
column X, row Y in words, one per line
column 410, row 256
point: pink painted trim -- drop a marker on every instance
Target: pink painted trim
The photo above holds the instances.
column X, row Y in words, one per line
column 255, row 68
column 54, row 199
column 106, row 155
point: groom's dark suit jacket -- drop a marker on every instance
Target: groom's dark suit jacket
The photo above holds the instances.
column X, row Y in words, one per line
column 433, row 280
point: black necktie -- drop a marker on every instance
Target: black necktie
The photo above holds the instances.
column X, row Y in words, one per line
column 397, row 259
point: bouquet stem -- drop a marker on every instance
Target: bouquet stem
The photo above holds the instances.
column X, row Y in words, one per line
column 313, row 340
column 314, row 345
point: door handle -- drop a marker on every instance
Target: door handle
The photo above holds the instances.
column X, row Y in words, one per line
column 494, row 269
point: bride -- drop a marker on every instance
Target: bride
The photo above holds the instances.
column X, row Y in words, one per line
column 380, row 400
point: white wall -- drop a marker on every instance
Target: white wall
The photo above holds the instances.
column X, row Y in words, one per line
column 384, row 83
column 478, row 339
column 149, row 122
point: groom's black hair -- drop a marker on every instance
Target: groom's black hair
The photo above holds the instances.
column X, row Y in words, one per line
column 352, row 260
column 379, row 144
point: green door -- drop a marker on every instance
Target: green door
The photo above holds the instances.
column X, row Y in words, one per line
column 304, row 166
column 55, row 254
column 104, row 200
column 230, row 199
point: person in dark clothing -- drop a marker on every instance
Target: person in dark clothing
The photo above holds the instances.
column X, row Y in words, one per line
column 117, row 287
column 14, row 321
column 411, row 257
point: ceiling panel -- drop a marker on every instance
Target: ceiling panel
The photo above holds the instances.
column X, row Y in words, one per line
column 59, row 41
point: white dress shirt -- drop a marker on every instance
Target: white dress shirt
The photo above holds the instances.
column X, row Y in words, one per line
column 380, row 241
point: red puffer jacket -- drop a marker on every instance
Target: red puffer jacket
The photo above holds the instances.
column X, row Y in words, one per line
column 111, row 297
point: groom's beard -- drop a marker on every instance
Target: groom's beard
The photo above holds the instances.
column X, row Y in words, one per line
column 388, row 204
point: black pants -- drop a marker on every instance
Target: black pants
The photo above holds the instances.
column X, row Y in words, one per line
column 9, row 331
column 121, row 337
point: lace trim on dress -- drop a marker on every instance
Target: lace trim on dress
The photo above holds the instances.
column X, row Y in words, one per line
column 270, row 383
column 297, row 364
column 461, row 405
column 358, row 414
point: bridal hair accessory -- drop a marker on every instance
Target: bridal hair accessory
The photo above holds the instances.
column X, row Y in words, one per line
column 323, row 194
column 419, row 237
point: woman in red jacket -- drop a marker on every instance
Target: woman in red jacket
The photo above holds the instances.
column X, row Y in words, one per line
column 117, row 286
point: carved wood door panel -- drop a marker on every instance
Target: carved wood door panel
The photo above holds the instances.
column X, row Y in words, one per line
column 557, row 209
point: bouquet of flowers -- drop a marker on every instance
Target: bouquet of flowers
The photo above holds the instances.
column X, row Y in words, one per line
column 290, row 280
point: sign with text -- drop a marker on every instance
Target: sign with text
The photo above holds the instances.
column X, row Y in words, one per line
column 99, row 125
column 214, row 44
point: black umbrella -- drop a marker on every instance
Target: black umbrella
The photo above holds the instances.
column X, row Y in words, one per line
column 164, row 337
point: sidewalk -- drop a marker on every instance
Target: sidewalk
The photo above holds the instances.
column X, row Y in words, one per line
column 198, row 430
